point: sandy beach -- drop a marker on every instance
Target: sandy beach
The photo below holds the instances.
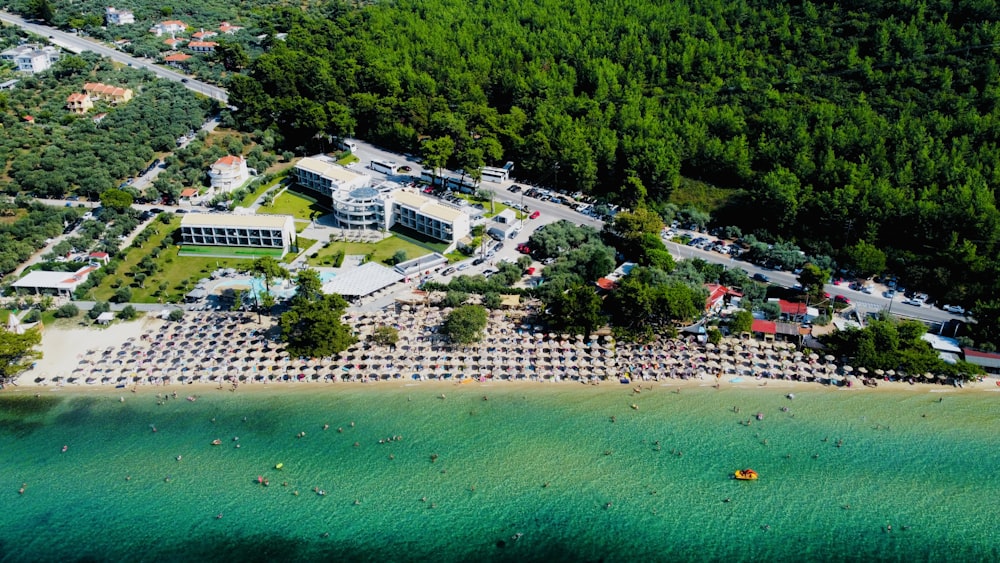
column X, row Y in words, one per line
column 124, row 356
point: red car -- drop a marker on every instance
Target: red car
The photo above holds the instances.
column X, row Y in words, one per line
column 523, row 249
column 535, row 215
column 842, row 299
column 529, row 272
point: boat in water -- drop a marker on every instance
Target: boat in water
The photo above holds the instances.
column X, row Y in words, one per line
column 216, row 442
column 746, row 474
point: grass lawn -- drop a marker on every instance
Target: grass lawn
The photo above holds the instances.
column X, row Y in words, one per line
column 9, row 219
column 381, row 250
column 296, row 204
column 179, row 273
column 228, row 251
column 304, row 245
column 258, row 191
column 419, row 239
column 347, row 158
column 496, row 208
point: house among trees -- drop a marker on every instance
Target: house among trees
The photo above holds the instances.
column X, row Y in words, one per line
column 228, row 173
column 228, row 29
column 31, row 58
column 203, row 46
column 177, row 59
column 169, row 27
column 173, row 42
column 79, row 103
column 118, row 17
column 203, row 35
column 110, row 94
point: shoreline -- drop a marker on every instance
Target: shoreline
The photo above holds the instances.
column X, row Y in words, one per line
column 216, row 352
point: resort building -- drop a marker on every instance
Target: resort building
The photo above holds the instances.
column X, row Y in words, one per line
column 203, row 35
column 325, row 177
column 108, row 93
column 228, row 173
column 168, row 27
column 53, row 283
column 365, row 208
column 253, row 231
column 118, row 17
column 429, row 217
column 31, row 58
column 203, row 46
column 79, row 103
column 174, row 42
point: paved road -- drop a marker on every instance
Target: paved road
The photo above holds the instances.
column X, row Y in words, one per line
column 78, row 44
column 862, row 301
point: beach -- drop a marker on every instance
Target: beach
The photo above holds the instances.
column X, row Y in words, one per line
column 480, row 466
column 224, row 349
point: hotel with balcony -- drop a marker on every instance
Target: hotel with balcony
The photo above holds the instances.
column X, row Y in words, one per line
column 253, row 231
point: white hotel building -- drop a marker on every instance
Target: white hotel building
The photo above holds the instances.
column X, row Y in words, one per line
column 357, row 204
column 253, row 231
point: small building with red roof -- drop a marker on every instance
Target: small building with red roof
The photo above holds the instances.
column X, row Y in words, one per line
column 202, row 46
column 229, row 173
column 989, row 361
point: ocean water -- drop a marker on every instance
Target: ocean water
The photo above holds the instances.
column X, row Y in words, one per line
column 576, row 471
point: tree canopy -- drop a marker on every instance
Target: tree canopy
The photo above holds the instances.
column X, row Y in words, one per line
column 17, row 352
column 312, row 325
column 465, row 324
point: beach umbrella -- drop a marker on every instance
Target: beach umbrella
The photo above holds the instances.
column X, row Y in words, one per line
column 862, row 371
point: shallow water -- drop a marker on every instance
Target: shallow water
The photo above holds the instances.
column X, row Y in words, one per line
column 611, row 492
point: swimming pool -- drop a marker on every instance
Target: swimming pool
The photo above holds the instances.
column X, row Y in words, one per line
column 280, row 288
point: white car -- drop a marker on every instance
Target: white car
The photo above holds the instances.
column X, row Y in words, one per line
column 954, row 309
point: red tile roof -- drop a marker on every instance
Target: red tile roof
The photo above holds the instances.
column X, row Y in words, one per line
column 202, row 44
column 77, row 97
column 173, row 41
column 177, row 58
column 792, row 308
column 766, row 327
column 606, row 284
column 188, row 192
column 229, row 160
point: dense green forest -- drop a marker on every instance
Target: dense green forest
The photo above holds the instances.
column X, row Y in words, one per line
column 832, row 125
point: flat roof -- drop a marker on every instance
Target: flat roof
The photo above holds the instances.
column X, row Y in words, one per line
column 53, row 280
column 230, row 220
column 363, row 280
column 427, row 206
column 328, row 170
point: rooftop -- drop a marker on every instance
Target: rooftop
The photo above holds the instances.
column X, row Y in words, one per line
column 328, row 170
column 363, row 280
column 229, row 161
column 229, row 220
column 54, row 280
column 427, row 206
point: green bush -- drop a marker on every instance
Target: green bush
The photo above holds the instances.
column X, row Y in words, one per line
column 67, row 311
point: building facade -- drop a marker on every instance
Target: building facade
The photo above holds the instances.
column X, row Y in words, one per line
column 325, row 177
column 168, row 27
column 108, row 93
column 79, row 103
column 228, row 173
column 118, row 17
column 253, row 231
column 429, row 217
column 364, row 208
column 31, row 58
column 202, row 46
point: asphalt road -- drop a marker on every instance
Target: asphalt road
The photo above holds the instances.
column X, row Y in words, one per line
column 863, row 302
column 78, row 44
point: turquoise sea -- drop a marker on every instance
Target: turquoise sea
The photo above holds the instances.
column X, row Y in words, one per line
column 531, row 473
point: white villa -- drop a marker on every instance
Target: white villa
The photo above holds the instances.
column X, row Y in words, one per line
column 118, row 17
column 31, row 58
column 228, row 173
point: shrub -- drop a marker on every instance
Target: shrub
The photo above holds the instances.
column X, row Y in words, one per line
column 67, row 311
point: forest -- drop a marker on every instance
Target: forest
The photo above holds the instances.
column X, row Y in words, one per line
column 831, row 125
column 834, row 126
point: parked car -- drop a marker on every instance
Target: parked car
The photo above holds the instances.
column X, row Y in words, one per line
column 889, row 293
column 529, row 272
column 914, row 302
column 448, row 271
column 478, row 261
column 956, row 309
column 535, row 215
column 761, row 278
column 841, row 299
